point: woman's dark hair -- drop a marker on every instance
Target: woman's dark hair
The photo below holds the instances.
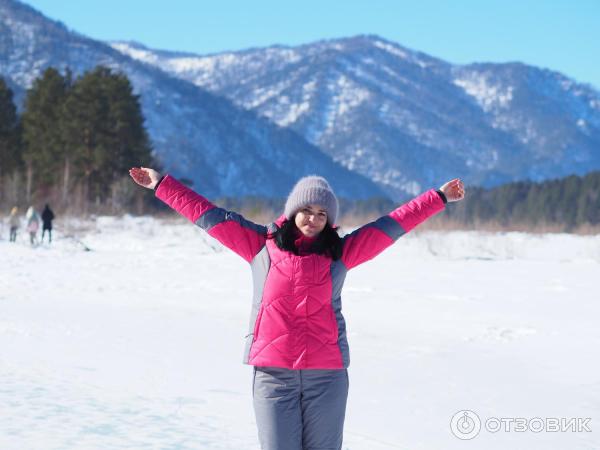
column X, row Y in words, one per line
column 327, row 243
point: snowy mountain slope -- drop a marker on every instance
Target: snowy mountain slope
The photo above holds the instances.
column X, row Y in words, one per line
column 224, row 149
column 403, row 118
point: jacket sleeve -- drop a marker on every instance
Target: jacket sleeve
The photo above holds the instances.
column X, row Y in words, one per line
column 371, row 239
column 231, row 229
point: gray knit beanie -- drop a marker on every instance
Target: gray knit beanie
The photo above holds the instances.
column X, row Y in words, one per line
column 312, row 190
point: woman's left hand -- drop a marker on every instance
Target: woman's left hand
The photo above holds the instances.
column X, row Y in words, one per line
column 454, row 190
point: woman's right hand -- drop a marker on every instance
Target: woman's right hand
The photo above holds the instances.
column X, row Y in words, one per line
column 145, row 177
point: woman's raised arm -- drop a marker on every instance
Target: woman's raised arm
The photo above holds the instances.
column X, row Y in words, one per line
column 231, row 229
column 371, row 239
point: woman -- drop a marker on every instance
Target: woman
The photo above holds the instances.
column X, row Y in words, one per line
column 33, row 224
column 14, row 222
column 296, row 339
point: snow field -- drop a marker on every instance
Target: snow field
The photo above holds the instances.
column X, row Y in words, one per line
column 138, row 342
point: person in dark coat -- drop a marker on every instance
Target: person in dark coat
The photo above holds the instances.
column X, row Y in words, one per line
column 47, row 218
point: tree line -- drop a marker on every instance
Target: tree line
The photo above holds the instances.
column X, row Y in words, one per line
column 73, row 142
column 570, row 204
column 563, row 204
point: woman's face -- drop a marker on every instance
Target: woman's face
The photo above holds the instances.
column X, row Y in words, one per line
column 311, row 220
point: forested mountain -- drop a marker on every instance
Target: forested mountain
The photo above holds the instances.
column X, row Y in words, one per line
column 403, row 118
column 203, row 137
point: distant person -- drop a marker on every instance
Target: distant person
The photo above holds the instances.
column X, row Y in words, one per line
column 296, row 339
column 33, row 224
column 14, row 222
column 47, row 218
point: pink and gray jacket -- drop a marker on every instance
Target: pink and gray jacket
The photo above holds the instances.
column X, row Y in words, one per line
column 296, row 320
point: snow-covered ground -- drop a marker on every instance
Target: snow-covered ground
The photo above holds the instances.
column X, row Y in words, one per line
column 137, row 344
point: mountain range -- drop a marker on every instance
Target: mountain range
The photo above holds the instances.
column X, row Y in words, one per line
column 223, row 149
column 372, row 116
column 403, row 118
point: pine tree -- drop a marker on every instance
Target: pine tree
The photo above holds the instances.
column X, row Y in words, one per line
column 104, row 131
column 10, row 148
column 44, row 150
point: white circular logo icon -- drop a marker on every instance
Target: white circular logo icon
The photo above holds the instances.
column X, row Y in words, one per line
column 465, row 424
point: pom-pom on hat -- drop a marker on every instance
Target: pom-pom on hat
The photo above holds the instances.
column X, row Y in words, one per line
column 312, row 190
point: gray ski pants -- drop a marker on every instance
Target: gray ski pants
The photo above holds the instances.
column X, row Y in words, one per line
column 300, row 409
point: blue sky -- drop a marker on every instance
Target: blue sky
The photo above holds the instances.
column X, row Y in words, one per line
column 557, row 34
